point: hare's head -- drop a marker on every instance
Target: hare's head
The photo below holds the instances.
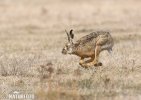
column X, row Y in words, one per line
column 68, row 48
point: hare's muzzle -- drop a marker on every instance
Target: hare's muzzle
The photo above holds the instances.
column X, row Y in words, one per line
column 64, row 51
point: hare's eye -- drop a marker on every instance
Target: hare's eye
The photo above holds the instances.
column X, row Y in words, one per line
column 67, row 46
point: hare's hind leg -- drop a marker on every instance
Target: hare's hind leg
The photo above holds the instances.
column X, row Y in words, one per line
column 97, row 52
column 96, row 57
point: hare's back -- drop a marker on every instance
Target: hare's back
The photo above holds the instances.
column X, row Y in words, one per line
column 91, row 37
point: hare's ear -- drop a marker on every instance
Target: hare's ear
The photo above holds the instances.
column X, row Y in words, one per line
column 68, row 35
column 71, row 34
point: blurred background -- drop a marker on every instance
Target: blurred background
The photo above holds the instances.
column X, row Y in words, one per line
column 51, row 15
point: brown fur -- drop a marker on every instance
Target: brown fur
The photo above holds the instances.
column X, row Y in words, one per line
column 89, row 46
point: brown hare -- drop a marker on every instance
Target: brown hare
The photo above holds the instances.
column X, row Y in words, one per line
column 89, row 46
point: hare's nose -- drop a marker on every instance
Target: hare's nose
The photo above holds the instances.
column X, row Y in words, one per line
column 63, row 50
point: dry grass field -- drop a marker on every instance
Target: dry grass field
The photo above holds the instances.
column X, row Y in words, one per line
column 32, row 37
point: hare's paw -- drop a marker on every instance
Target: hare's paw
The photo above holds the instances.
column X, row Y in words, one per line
column 87, row 65
column 84, row 65
column 98, row 64
column 81, row 64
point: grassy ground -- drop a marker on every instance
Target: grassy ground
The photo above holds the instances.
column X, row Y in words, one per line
column 32, row 36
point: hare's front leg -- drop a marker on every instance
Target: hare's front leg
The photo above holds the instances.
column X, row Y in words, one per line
column 90, row 60
column 84, row 63
column 81, row 61
column 87, row 63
